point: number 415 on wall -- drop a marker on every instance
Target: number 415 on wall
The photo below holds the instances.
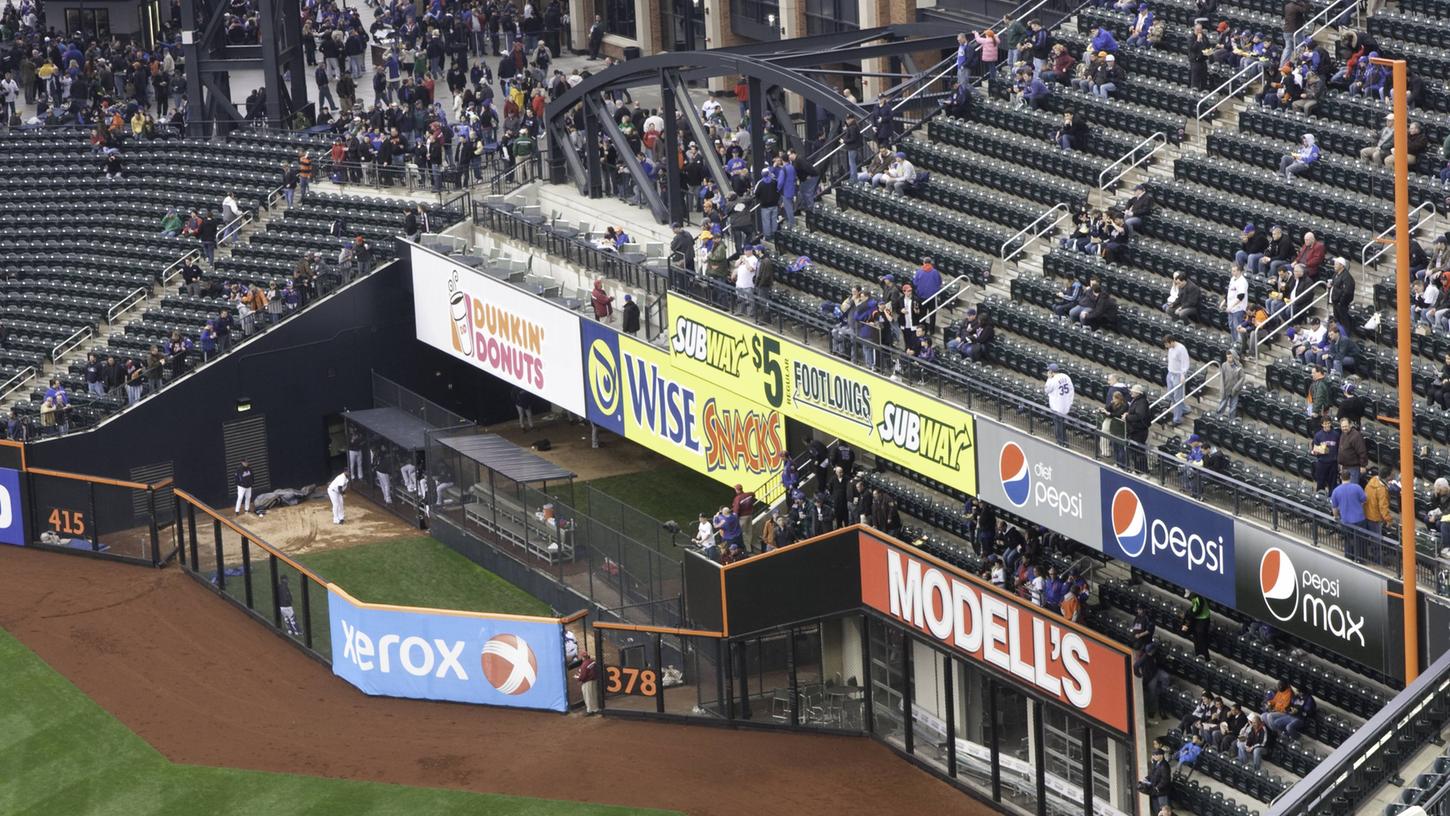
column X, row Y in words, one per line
column 68, row 522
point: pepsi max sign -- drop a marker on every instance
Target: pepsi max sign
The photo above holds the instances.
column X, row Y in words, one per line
column 1169, row 536
column 1316, row 596
column 1040, row 482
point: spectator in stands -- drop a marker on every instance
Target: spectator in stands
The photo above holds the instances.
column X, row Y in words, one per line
column 742, row 274
column 987, row 45
column 901, row 174
column 1439, row 514
column 1252, row 246
column 1137, row 422
column 171, row 223
column 206, row 233
column 1236, row 297
column 1155, row 680
column 1311, row 255
column 1114, row 427
column 1200, row 45
column 1353, row 456
column 1203, row 712
column 1142, row 629
column 1137, row 208
column 115, row 171
column 1301, row 160
column 1071, row 294
column 1072, row 133
column 1060, row 394
column 1231, row 384
column 602, row 303
column 1197, row 624
column 1383, row 143
column 1158, row 784
column 1348, row 500
column 1339, row 352
column 1377, row 514
column 1030, row 91
column 1251, row 741
column 1059, row 68
column 1141, row 25
column 1279, row 253
column 1105, row 77
column 1104, row 311
column 1183, row 298
column 1178, row 363
column 1439, row 390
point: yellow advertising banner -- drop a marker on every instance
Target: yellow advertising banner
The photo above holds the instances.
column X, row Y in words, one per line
column 871, row 413
column 635, row 390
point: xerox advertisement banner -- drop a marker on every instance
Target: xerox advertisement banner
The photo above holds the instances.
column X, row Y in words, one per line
column 438, row 655
column 1315, row 596
column 509, row 333
column 869, row 412
column 1040, row 481
column 999, row 631
column 12, row 515
column 1168, row 535
column 634, row 390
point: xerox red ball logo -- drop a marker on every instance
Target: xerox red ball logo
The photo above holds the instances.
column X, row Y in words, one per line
column 509, row 664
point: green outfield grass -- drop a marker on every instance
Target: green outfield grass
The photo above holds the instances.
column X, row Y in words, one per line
column 60, row 753
column 420, row 571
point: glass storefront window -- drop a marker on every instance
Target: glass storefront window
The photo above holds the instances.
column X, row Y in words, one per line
column 973, row 716
column 888, row 683
column 930, row 675
column 1014, row 724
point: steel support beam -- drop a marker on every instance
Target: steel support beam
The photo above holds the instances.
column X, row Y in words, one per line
column 561, row 148
column 674, row 185
column 757, row 126
column 647, row 188
column 697, row 129
column 783, row 118
column 592, row 155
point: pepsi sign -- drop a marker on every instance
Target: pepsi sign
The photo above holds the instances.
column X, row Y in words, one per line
column 1039, row 481
column 1315, row 595
column 1168, row 535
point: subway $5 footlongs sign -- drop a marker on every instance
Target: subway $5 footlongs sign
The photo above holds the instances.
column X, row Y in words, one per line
column 869, row 412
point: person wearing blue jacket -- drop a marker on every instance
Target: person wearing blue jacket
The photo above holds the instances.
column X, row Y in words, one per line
column 1102, row 40
column 1187, row 756
column 927, row 281
column 785, row 181
column 1299, row 162
column 1141, row 24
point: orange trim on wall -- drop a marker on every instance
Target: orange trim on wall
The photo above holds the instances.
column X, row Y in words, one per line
column 249, row 535
column 60, row 474
column 428, row 610
column 658, row 630
column 21, row 445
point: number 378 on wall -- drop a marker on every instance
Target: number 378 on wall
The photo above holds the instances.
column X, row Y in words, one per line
column 631, row 681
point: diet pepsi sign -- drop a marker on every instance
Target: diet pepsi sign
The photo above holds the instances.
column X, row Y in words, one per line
column 1169, row 536
column 1314, row 595
column 1039, row 481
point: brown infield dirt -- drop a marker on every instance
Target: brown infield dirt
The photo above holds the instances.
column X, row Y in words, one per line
column 206, row 685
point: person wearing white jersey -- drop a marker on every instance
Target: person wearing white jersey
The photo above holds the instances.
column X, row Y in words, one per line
column 1236, row 299
column 335, row 489
column 744, row 276
column 1060, row 394
column 1177, row 373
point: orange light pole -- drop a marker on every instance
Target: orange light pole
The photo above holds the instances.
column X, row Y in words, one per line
column 1408, row 564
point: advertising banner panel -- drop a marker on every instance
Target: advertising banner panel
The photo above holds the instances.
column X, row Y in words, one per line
column 12, row 513
column 1040, row 481
column 634, row 390
column 511, row 334
column 437, row 655
column 1168, row 535
column 1002, row 632
column 864, row 410
column 1316, row 596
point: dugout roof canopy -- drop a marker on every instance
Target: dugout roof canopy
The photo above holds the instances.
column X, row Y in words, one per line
column 500, row 455
column 393, row 424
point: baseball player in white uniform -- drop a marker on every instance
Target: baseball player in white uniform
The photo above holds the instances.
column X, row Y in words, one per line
column 335, row 489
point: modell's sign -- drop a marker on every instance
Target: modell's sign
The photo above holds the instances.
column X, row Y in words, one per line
column 999, row 631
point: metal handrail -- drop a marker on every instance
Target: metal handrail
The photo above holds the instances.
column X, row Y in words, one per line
column 173, row 271
column 231, row 235
column 1187, row 394
column 960, row 291
column 1365, row 258
column 126, row 303
column 1066, row 213
column 1160, row 137
column 71, row 343
column 272, row 197
column 1255, row 68
column 1289, row 315
column 17, row 381
column 1341, row 5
